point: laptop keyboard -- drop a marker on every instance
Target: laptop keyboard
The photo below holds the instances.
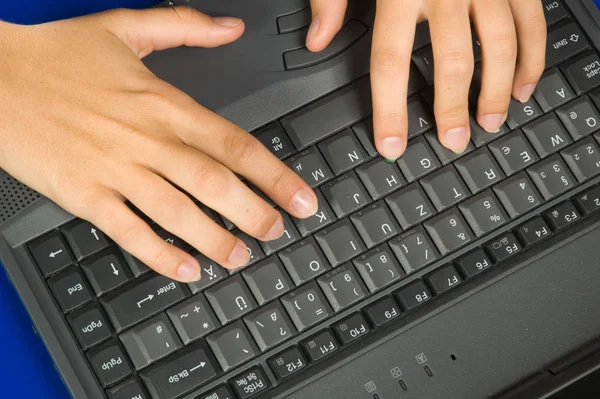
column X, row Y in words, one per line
column 309, row 294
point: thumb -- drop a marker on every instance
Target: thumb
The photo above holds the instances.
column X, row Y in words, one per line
column 145, row 31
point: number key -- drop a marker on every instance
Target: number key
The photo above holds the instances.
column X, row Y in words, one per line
column 584, row 159
column 449, row 231
column 342, row 287
column 552, row 177
column 378, row 268
column 413, row 249
column 483, row 212
column 518, row 195
column 306, row 306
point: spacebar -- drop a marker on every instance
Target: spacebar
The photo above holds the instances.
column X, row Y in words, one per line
column 329, row 114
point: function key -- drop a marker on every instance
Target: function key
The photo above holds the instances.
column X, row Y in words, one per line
column 503, row 247
column 90, row 326
column 106, row 272
column 473, row 263
column 563, row 215
column 413, row 295
column 50, row 253
column 250, row 383
column 222, row 392
column 320, row 345
column 580, row 117
column 554, row 11
column 351, row 328
column 589, row 201
column 382, row 312
column 276, row 140
column 70, row 289
column 583, row 72
column 110, row 363
column 130, row 389
column 84, row 238
column 287, row 363
column 444, row 279
column 563, row 43
column 534, row 231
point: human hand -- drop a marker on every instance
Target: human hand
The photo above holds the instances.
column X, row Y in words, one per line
column 513, row 41
column 88, row 125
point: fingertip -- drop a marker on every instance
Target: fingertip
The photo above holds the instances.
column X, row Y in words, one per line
column 523, row 94
column 188, row 271
column 239, row 255
column 392, row 147
column 456, row 139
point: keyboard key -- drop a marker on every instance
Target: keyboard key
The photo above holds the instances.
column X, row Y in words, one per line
column 351, row 328
column 107, row 272
column 84, row 238
column 449, row 231
column 306, row 306
column 503, row 247
column 232, row 345
column 444, row 279
column 380, row 177
column 256, row 253
column 552, row 90
column 382, row 312
column 276, row 140
column 423, row 59
column 230, row 299
column 342, row 152
column 227, row 223
column 142, row 300
column 323, row 217
column 547, row 135
column 176, row 375
column 481, row 137
column 378, row 268
column 130, row 389
column 221, row 392
column 473, row 263
column 563, row 215
column 50, row 253
column 137, row 267
column 375, row 224
column 564, row 42
column 340, row 242
column 150, row 341
column 211, row 273
column 90, row 326
column 193, row 319
column 365, row 134
column 413, row 295
column 413, row 249
column 518, row 195
column 418, row 160
column 589, row 200
column 445, row 155
column 554, row 11
column 420, row 118
column 320, row 345
column 287, row 363
column 583, row 159
column 70, row 290
column 110, row 363
column 479, row 170
column 342, row 287
column 579, row 117
column 513, row 152
column 483, row 213
column 250, row 383
column 410, row 206
column 310, row 166
column 269, row 326
column 290, row 235
column 445, row 187
column 534, row 231
column 551, row 177
column 522, row 113
column 304, row 261
column 267, row 280
column 345, row 194
column 583, row 72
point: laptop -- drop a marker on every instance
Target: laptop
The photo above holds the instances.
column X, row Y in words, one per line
column 435, row 276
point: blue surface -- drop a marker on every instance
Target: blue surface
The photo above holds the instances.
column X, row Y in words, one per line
column 26, row 370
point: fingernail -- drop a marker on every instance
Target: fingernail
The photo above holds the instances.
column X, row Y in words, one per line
column 456, row 139
column 276, row 230
column 239, row 256
column 526, row 92
column 392, row 147
column 228, row 22
column 492, row 122
column 304, row 204
column 188, row 273
column 313, row 30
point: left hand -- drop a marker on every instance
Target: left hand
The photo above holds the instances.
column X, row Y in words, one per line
column 513, row 40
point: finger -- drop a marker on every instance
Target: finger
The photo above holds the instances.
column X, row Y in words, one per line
column 218, row 188
column 114, row 218
column 454, row 64
column 156, row 29
column 499, row 57
column 393, row 38
column 327, row 20
column 177, row 213
column 531, row 33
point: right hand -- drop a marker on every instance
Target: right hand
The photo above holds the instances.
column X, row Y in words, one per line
column 86, row 124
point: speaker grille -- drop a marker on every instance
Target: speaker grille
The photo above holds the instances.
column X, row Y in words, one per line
column 14, row 197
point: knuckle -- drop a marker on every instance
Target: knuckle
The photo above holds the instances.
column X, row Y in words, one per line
column 211, row 180
column 243, row 149
column 184, row 13
column 453, row 111
column 457, row 64
column 219, row 247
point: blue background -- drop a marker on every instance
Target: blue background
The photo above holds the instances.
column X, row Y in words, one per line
column 26, row 370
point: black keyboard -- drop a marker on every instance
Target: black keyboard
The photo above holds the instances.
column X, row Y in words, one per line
column 383, row 242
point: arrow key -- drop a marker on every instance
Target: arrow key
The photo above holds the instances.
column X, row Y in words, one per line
column 84, row 238
column 50, row 253
column 106, row 272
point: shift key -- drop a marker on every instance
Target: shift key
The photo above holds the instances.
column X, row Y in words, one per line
column 142, row 300
column 563, row 43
